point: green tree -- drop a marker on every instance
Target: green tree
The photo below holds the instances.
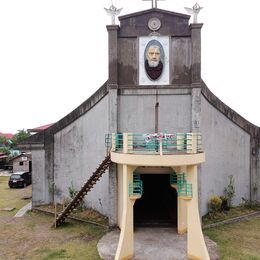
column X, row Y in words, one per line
column 19, row 137
column 2, row 140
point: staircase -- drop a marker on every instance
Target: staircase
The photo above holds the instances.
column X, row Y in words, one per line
column 83, row 192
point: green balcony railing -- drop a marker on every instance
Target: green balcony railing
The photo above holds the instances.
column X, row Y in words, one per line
column 184, row 190
column 178, row 178
column 160, row 143
column 135, row 188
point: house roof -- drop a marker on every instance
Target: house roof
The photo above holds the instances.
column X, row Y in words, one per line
column 39, row 128
column 6, row 135
column 28, row 155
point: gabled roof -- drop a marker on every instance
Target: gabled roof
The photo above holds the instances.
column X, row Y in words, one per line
column 152, row 10
column 28, row 155
column 172, row 24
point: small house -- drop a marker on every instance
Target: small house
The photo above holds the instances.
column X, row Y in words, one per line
column 22, row 162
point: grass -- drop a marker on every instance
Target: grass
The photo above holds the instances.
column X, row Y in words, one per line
column 12, row 198
column 31, row 237
column 85, row 214
column 232, row 213
column 237, row 241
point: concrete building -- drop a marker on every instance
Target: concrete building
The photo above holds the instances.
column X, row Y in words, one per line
column 139, row 101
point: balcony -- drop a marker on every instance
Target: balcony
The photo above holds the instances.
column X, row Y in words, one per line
column 157, row 149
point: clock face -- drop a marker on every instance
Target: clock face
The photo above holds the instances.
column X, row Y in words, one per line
column 154, row 24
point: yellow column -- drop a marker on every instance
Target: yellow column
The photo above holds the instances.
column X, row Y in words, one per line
column 196, row 244
column 182, row 210
column 125, row 248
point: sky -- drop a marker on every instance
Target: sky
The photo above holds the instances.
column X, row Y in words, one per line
column 53, row 55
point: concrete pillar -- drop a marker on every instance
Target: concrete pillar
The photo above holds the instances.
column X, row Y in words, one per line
column 196, row 244
column 49, row 166
column 196, row 53
column 112, row 54
column 254, row 169
column 182, row 210
column 112, row 115
column 125, row 248
column 196, row 110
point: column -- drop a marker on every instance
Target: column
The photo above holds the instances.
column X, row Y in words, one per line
column 182, row 210
column 196, row 244
column 125, row 248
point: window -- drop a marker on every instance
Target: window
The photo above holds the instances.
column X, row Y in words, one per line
column 20, row 163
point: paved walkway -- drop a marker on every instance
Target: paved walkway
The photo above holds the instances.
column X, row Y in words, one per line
column 23, row 210
column 152, row 244
column 5, row 173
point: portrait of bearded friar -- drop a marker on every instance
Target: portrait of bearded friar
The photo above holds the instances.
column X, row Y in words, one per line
column 154, row 58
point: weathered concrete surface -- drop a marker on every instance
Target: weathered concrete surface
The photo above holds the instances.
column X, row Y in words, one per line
column 79, row 148
column 153, row 244
column 180, row 60
column 227, row 149
column 40, row 184
column 23, row 210
column 137, row 113
column 135, row 24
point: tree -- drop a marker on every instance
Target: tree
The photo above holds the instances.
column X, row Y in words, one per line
column 19, row 137
column 2, row 140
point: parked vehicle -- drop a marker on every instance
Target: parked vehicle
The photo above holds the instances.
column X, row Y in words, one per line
column 20, row 179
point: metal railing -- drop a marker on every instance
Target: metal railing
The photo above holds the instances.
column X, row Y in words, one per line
column 156, row 143
column 135, row 188
column 184, row 189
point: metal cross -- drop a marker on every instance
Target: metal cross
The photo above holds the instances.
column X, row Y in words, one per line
column 154, row 2
column 113, row 11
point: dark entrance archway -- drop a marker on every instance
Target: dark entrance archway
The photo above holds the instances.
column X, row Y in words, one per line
column 158, row 205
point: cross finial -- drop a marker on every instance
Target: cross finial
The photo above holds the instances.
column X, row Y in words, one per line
column 154, row 2
column 194, row 11
column 113, row 11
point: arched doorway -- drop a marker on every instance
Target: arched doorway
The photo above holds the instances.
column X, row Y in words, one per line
column 158, row 205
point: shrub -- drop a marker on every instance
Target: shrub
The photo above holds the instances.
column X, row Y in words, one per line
column 224, row 204
column 214, row 204
column 72, row 191
column 229, row 191
column 250, row 204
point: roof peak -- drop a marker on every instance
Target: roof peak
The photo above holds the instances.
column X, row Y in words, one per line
column 153, row 10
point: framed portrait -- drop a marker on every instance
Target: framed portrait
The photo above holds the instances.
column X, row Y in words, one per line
column 154, row 60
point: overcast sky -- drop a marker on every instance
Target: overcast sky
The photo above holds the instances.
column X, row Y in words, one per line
column 53, row 55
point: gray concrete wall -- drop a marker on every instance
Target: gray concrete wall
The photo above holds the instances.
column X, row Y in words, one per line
column 78, row 150
column 127, row 61
column 137, row 111
column 180, row 60
column 40, row 184
column 227, row 149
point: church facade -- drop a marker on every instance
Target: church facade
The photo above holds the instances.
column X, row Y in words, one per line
column 155, row 94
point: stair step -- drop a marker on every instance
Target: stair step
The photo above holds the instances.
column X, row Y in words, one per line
column 84, row 190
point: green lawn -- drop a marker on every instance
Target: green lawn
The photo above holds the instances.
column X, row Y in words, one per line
column 237, row 241
column 12, row 198
column 31, row 237
column 232, row 213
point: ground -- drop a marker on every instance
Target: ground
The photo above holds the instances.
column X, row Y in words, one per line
column 31, row 237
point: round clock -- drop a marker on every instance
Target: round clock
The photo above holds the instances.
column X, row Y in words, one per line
column 154, row 24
